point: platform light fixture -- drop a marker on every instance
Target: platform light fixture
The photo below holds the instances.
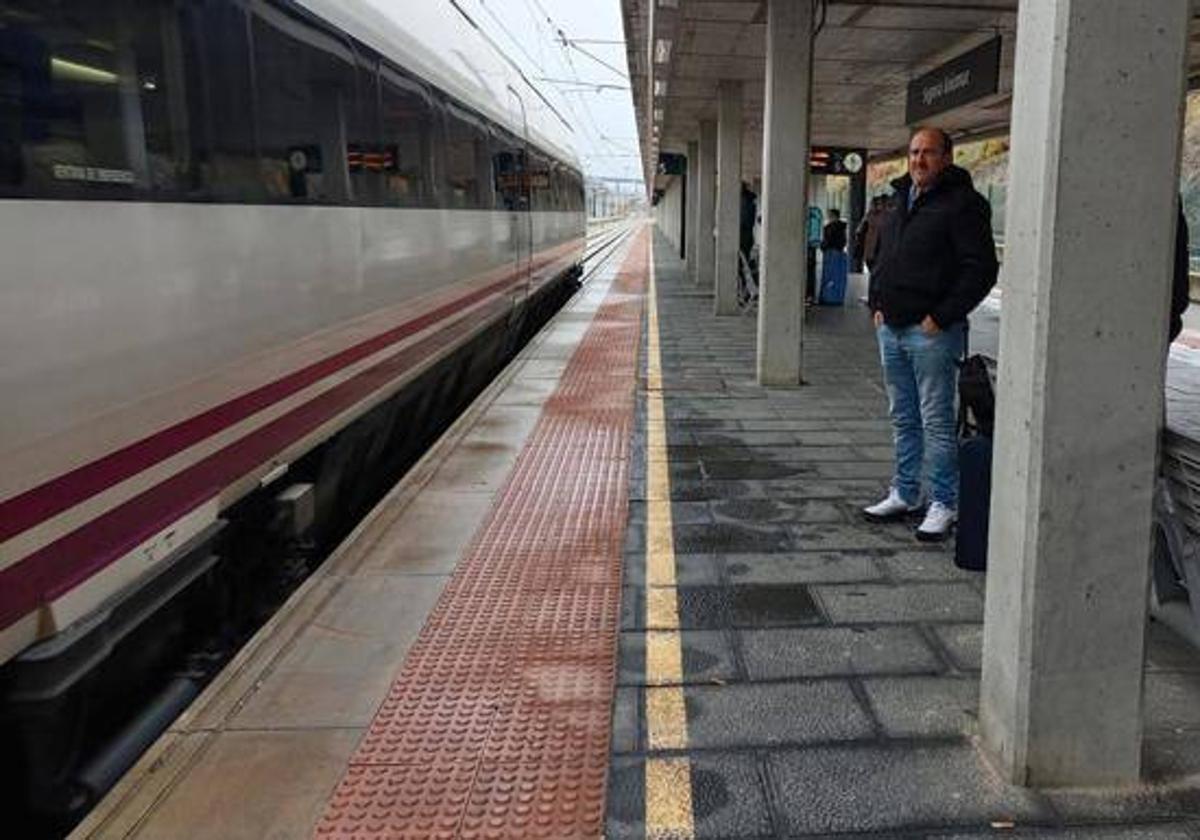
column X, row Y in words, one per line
column 660, row 87
column 662, row 50
column 658, row 115
column 668, row 4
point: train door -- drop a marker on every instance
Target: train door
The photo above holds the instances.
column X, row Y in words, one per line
column 522, row 217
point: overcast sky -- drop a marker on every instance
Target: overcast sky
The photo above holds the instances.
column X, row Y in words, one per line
column 531, row 32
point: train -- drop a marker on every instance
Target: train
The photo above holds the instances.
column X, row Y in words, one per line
column 250, row 249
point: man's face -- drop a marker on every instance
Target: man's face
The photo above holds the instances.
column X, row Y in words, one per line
column 926, row 158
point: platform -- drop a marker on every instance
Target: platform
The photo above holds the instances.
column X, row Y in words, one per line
column 629, row 595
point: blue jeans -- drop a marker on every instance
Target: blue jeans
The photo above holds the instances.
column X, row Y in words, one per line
column 922, row 380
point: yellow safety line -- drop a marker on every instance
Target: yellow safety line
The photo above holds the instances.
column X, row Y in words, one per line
column 668, row 780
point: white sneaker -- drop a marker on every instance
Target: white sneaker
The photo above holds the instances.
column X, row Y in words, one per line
column 938, row 521
column 893, row 507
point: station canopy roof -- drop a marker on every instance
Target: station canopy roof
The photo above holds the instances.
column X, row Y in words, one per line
column 866, row 54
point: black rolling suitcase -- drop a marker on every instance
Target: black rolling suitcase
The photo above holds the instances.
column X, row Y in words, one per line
column 976, row 421
column 974, row 499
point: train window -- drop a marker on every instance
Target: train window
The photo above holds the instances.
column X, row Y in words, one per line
column 85, row 99
column 367, row 157
column 408, row 137
column 508, row 168
column 467, row 160
column 541, row 195
column 221, row 145
column 306, row 86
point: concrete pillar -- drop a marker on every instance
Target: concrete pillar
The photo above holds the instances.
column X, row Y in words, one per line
column 706, row 219
column 692, row 214
column 1093, row 180
column 729, row 193
column 783, row 261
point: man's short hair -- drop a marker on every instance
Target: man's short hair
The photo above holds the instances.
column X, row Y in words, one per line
column 836, row 213
column 947, row 141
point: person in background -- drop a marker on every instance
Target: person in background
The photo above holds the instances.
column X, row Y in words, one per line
column 746, row 213
column 834, row 263
column 814, row 242
column 833, row 237
column 868, row 231
column 936, row 262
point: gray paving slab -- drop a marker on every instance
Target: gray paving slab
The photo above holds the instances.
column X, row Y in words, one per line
column 759, row 469
column 1166, row 651
column 690, row 569
column 836, row 651
column 1171, row 701
column 729, row 538
column 778, row 605
column 856, row 469
column 964, row 644
column 1146, row 801
column 924, row 565
column 745, row 715
column 868, row 603
column 707, row 657
column 682, row 513
column 869, row 788
column 729, row 798
column 924, row 707
column 1149, row 831
column 626, row 719
column 778, row 511
column 801, row 567
column 826, row 536
column 853, row 491
column 746, row 439
column 1171, row 757
column 803, row 454
column 705, row 490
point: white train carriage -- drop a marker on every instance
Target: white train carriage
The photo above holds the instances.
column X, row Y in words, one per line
column 230, row 229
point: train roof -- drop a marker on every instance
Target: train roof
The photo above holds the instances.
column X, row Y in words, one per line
column 440, row 44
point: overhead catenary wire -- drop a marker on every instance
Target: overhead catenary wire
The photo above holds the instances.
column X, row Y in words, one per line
column 509, row 60
column 550, row 28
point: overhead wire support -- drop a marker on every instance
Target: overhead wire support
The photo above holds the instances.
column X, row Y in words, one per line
column 584, row 85
column 575, row 46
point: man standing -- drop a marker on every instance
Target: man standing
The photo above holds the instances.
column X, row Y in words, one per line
column 936, row 262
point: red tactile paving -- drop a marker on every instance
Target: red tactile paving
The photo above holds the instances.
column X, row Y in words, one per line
column 497, row 725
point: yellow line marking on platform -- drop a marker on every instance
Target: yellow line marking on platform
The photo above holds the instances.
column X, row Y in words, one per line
column 664, row 655
column 668, row 780
column 669, row 799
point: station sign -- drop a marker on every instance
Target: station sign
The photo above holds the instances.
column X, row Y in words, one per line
column 830, row 160
column 360, row 159
column 970, row 76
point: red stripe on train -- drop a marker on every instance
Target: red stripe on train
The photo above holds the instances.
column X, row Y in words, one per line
column 26, row 510
column 59, row 567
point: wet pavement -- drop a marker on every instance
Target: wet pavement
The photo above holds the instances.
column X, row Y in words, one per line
column 830, row 668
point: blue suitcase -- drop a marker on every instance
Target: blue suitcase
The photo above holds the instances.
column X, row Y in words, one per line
column 833, row 279
column 974, row 500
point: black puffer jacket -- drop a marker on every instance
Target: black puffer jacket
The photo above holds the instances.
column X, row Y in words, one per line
column 938, row 258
